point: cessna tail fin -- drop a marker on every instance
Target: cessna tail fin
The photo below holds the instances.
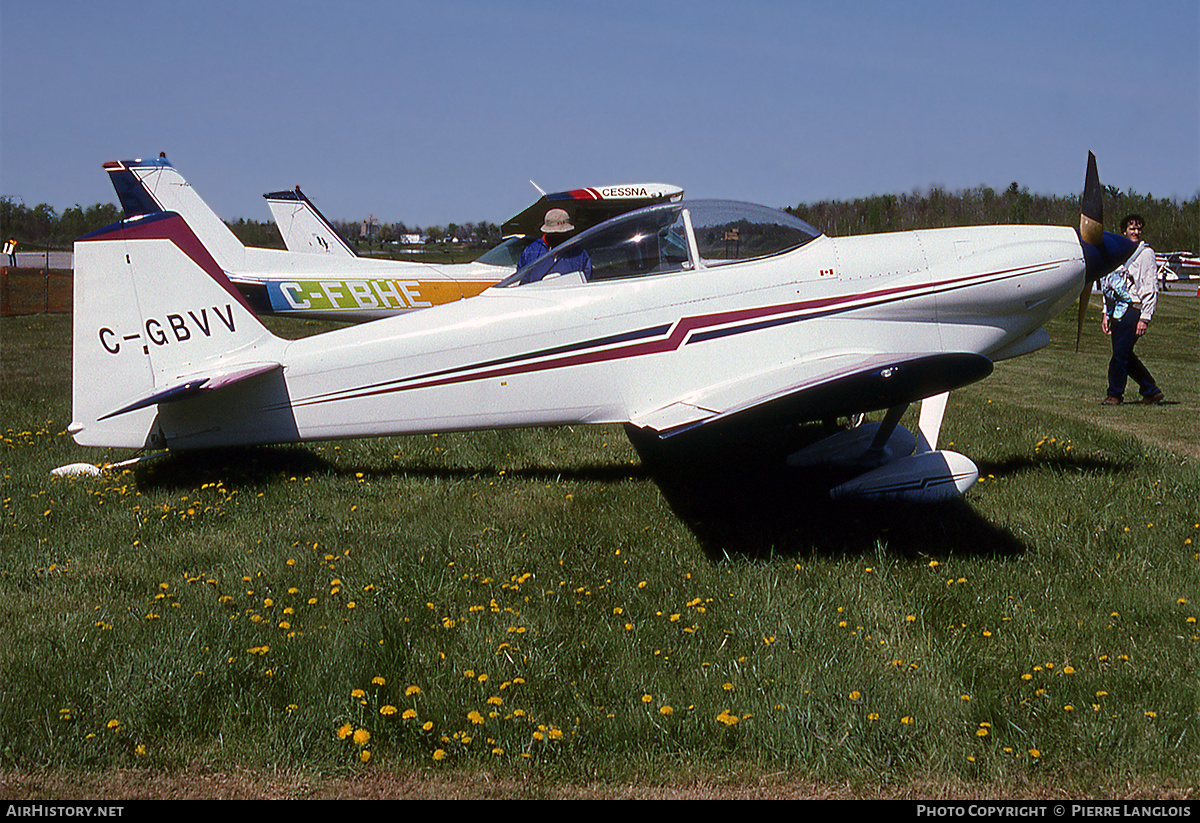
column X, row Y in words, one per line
column 303, row 227
column 154, row 186
column 155, row 321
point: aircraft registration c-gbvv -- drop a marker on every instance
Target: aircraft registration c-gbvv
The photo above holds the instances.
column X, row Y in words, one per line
column 174, row 327
column 675, row 320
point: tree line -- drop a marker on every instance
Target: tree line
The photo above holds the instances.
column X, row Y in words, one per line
column 1170, row 225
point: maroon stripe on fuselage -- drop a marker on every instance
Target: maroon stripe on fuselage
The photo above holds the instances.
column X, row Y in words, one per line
column 677, row 337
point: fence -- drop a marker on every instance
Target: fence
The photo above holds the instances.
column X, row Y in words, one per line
column 35, row 291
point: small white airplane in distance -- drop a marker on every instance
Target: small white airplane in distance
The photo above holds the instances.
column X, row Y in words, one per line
column 676, row 320
column 1174, row 266
column 339, row 285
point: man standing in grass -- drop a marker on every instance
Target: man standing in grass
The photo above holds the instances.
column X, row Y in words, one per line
column 1130, row 294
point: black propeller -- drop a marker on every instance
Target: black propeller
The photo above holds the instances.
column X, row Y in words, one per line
column 1102, row 251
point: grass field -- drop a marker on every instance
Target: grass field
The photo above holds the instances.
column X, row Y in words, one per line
column 526, row 613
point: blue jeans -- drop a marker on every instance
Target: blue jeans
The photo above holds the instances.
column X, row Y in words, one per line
column 1124, row 363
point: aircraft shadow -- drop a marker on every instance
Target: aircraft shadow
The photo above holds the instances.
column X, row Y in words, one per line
column 739, row 497
column 265, row 464
column 733, row 491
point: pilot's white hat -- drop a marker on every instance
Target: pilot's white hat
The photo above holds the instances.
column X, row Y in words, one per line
column 557, row 220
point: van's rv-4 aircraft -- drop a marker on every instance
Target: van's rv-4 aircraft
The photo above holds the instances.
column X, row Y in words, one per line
column 320, row 276
column 675, row 320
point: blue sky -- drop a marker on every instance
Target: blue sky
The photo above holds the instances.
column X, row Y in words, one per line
column 438, row 112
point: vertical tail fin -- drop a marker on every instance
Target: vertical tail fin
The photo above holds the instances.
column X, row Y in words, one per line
column 303, row 227
column 154, row 186
column 155, row 319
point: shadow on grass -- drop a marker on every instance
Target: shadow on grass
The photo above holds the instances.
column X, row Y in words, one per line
column 739, row 497
column 250, row 465
column 733, row 491
column 264, row 465
column 1019, row 464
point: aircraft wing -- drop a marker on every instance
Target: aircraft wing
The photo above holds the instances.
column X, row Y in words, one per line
column 590, row 207
column 832, row 386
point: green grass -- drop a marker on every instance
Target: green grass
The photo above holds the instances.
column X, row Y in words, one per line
column 565, row 608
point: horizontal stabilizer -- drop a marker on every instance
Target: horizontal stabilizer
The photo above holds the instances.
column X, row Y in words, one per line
column 192, row 387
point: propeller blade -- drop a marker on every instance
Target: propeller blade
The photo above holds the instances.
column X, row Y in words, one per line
column 1091, row 231
column 1091, row 206
column 1102, row 251
column 1084, row 297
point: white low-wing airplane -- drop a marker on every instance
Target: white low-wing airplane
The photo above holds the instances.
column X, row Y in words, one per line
column 677, row 319
column 320, row 277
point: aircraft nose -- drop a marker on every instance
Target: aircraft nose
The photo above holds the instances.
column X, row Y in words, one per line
column 1112, row 251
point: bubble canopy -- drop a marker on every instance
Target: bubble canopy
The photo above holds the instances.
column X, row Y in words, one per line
column 672, row 237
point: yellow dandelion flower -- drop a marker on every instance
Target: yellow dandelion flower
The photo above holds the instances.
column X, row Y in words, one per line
column 409, row 714
column 358, row 693
column 1034, row 753
column 387, row 711
column 427, row 726
column 439, row 754
column 981, row 732
column 378, row 681
column 666, row 711
column 364, row 756
column 362, row 737
column 345, row 731
column 907, row 720
column 646, row 698
column 412, row 690
column 475, row 717
column 495, row 700
column 727, row 686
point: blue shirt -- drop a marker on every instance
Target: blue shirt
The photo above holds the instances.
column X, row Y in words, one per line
column 552, row 263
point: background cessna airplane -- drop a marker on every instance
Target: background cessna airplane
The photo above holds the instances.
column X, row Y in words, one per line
column 676, row 320
column 334, row 283
column 302, row 226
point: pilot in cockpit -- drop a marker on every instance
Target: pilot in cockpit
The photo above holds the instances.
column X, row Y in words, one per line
column 556, row 228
